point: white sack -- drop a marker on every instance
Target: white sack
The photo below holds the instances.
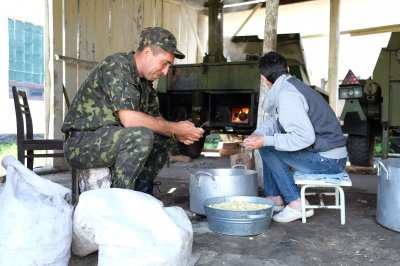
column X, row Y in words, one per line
column 131, row 228
column 35, row 219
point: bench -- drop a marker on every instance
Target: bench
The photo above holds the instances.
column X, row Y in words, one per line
column 306, row 181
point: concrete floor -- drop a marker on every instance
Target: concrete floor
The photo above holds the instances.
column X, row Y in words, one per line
column 321, row 241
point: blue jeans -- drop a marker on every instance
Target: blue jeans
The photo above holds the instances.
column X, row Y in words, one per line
column 278, row 178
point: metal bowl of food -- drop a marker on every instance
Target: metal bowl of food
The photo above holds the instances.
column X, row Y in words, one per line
column 239, row 215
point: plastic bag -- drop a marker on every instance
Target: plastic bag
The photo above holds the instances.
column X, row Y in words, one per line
column 95, row 178
column 35, row 219
column 131, row 228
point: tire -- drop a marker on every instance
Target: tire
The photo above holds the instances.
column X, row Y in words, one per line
column 193, row 150
column 360, row 150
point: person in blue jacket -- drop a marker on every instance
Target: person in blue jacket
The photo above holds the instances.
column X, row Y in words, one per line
column 301, row 133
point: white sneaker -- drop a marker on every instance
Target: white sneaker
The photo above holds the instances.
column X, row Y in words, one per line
column 289, row 215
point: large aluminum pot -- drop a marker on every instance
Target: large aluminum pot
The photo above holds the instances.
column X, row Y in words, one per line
column 388, row 195
column 211, row 183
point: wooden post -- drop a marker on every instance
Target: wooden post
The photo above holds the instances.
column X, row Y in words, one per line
column 53, row 75
column 270, row 39
column 271, row 25
column 334, row 39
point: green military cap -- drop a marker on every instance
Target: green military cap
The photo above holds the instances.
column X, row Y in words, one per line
column 163, row 38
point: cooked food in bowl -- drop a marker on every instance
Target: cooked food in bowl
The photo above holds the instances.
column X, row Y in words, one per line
column 239, row 206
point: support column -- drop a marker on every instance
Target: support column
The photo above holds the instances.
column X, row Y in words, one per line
column 334, row 40
column 270, row 39
column 53, row 75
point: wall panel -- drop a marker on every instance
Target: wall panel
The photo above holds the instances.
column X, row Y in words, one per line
column 102, row 30
column 133, row 24
column 86, row 35
column 71, row 34
column 117, row 17
column 95, row 29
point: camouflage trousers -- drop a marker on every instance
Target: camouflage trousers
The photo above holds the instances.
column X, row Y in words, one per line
column 131, row 153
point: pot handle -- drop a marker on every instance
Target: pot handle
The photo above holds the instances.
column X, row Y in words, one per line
column 239, row 165
column 379, row 165
column 197, row 175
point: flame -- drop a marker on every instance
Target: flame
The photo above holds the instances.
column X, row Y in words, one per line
column 240, row 114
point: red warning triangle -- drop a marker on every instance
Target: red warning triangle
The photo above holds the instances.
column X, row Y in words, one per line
column 350, row 79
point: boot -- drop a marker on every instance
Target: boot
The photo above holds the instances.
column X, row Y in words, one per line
column 145, row 186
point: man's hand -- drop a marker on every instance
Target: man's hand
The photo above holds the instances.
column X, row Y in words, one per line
column 254, row 142
column 187, row 133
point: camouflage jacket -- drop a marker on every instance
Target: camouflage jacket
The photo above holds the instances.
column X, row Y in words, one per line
column 114, row 84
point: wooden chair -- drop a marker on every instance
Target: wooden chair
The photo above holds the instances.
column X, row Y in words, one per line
column 66, row 97
column 25, row 142
column 75, row 180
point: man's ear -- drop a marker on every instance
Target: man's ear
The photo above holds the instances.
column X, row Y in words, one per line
column 147, row 51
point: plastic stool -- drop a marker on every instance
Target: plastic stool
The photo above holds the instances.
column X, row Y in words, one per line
column 307, row 181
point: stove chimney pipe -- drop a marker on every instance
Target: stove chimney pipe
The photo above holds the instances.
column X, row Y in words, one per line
column 215, row 32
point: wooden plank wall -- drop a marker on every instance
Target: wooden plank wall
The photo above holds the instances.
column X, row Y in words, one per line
column 95, row 29
column 92, row 29
column 70, row 74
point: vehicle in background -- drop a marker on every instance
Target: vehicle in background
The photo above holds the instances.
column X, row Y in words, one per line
column 372, row 107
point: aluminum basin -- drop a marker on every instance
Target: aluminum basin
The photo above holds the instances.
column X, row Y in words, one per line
column 238, row 223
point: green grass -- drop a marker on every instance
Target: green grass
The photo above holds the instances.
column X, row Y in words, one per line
column 7, row 149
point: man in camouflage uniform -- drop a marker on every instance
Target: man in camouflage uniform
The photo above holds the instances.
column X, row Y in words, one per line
column 114, row 119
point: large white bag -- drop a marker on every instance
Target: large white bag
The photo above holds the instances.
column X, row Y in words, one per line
column 35, row 219
column 131, row 228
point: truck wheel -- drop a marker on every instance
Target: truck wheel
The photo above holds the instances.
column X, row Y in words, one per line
column 360, row 150
column 193, row 150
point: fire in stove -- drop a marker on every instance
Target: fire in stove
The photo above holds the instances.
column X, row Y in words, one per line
column 240, row 115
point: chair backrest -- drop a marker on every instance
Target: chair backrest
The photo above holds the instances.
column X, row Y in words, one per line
column 67, row 102
column 25, row 138
column 23, row 115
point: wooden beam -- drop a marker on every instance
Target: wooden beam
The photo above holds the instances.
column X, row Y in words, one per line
column 373, row 30
column 270, row 39
column 334, row 40
column 76, row 61
column 271, row 26
column 53, row 75
column 360, row 32
column 248, row 18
